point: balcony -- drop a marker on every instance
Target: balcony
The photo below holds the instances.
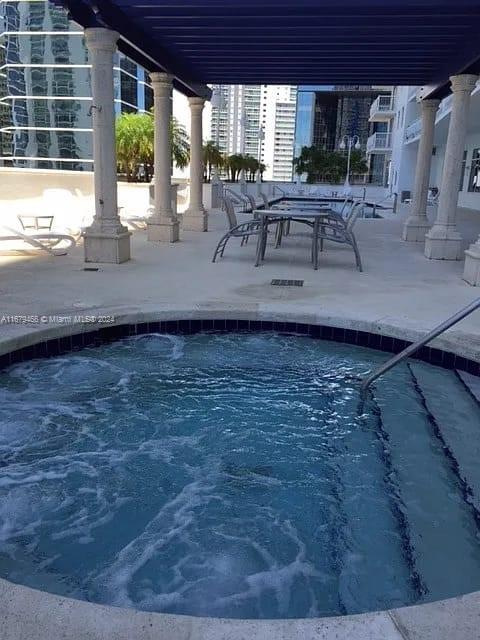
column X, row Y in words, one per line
column 379, row 143
column 412, row 132
column 382, row 109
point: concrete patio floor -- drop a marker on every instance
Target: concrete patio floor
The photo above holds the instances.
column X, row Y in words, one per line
column 399, row 293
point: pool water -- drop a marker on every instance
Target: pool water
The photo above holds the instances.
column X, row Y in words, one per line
column 238, row 475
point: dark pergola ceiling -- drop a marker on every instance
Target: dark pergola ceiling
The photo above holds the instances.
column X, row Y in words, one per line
column 403, row 42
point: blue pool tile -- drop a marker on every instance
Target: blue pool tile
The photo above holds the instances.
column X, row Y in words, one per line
column 436, row 356
column 184, row 327
column 219, row 325
column 231, row 325
column 243, row 325
column 207, row 325
column 338, row 334
column 374, row 341
column 351, row 336
column 290, row 327
column 363, row 338
column 4, row 360
column 386, row 343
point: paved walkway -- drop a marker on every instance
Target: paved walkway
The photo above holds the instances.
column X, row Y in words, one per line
column 399, row 288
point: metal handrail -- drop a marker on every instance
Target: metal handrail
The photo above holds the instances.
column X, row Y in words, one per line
column 463, row 313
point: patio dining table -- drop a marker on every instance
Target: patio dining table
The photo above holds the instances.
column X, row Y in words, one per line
column 268, row 216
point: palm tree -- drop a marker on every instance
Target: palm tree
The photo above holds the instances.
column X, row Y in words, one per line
column 135, row 133
column 250, row 166
column 234, row 164
column 180, row 144
column 133, row 140
column 212, row 158
column 320, row 165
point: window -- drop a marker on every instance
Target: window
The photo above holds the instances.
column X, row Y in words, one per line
column 474, row 182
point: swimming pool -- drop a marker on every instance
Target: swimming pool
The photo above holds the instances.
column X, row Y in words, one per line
column 237, row 475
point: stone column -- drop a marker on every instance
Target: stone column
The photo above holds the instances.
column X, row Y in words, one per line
column 417, row 223
column 471, row 271
column 443, row 241
column 162, row 226
column 195, row 217
column 106, row 240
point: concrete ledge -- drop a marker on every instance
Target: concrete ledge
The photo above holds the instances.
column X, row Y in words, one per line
column 17, row 336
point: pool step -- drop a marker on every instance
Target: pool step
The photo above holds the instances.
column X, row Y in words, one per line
column 433, row 502
column 372, row 563
column 457, row 415
column 472, row 383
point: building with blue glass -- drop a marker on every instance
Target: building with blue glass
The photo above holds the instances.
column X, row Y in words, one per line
column 45, row 95
column 328, row 113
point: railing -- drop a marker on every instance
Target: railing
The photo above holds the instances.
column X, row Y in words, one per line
column 275, row 187
column 383, row 105
column 466, row 311
column 379, row 141
column 413, row 130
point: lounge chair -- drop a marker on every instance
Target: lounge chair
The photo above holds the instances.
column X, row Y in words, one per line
column 70, row 211
column 45, row 241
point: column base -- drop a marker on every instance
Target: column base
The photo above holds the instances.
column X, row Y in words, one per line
column 163, row 230
column 471, row 271
column 415, row 228
column 196, row 220
column 113, row 248
column 443, row 243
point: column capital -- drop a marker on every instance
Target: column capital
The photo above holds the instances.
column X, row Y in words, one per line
column 430, row 105
column 160, row 79
column 196, row 102
column 464, row 82
column 100, row 39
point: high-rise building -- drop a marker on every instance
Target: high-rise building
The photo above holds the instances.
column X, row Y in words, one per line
column 249, row 109
column 235, row 125
column 278, row 111
column 45, row 96
column 328, row 113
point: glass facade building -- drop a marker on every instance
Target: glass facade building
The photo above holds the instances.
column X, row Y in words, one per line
column 45, row 96
column 326, row 113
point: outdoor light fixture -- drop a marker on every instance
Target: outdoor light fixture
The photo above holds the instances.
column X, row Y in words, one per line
column 349, row 142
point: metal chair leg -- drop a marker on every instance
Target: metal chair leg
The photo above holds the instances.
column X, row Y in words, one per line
column 357, row 252
column 279, row 234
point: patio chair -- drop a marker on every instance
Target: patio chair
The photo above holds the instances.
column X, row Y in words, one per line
column 243, row 230
column 341, row 232
column 47, row 241
column 266, row 203
column 253, row 205
column 240, row 199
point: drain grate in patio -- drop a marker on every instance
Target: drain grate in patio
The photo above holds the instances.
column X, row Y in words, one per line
column 287, row 283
